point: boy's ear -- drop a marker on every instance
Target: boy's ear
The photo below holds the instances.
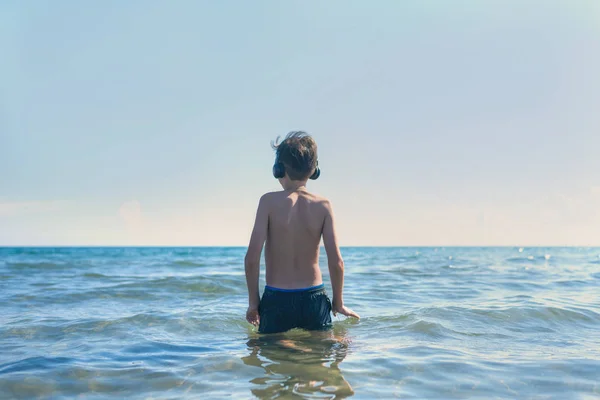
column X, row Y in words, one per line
column 278, row 170
column 316, row 174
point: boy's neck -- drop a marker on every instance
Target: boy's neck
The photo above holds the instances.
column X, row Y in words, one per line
column 293, row 186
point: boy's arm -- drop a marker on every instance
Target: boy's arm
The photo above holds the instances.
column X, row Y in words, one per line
column 252, row 259
column 335, row 263
column 334, row 256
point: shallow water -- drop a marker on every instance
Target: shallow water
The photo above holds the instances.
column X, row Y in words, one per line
column 168, row 323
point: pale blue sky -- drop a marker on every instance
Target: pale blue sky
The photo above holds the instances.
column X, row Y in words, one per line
column 438, row 123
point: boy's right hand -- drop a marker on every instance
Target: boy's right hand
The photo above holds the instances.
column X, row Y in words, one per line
column 344, row 311
column 252, row 315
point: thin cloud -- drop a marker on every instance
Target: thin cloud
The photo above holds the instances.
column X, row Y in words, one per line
column 133, row 218
column 16, row 208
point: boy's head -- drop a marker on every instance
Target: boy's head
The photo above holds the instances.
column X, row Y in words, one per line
column 296, row 155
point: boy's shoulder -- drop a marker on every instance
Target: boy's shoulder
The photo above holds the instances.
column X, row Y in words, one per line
column 280, row 195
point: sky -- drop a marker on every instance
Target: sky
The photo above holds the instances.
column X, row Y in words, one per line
column 438, row 123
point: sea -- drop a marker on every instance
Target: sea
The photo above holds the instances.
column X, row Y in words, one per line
column 169, row 323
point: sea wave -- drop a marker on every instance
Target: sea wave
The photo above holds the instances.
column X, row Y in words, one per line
column 189, row 263
column 150, row 322
column 42, row 265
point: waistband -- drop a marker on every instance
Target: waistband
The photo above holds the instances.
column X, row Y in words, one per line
column 308, row 289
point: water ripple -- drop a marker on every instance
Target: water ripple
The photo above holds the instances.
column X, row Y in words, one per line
column 169, row 322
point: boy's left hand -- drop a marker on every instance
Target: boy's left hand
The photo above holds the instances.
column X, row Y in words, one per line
column 344, row 311
column 252, row 316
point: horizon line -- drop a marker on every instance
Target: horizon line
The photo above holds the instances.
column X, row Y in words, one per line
column 321, row 246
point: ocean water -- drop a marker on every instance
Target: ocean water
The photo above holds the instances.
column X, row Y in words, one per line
column 168, row 323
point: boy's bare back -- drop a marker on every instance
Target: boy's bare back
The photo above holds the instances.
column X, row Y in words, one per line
column 296, row 221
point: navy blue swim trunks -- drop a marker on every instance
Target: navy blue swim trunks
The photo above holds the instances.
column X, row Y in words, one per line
column 284, row 309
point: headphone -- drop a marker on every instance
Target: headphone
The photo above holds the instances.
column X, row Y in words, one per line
column 279, row 170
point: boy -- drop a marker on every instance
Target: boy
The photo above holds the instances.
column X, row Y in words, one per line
column 291, row 222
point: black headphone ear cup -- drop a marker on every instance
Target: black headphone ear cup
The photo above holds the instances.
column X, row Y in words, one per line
column 316, row 174
column 278, row 170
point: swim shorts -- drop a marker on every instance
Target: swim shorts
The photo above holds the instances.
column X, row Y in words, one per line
column 283, row 309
